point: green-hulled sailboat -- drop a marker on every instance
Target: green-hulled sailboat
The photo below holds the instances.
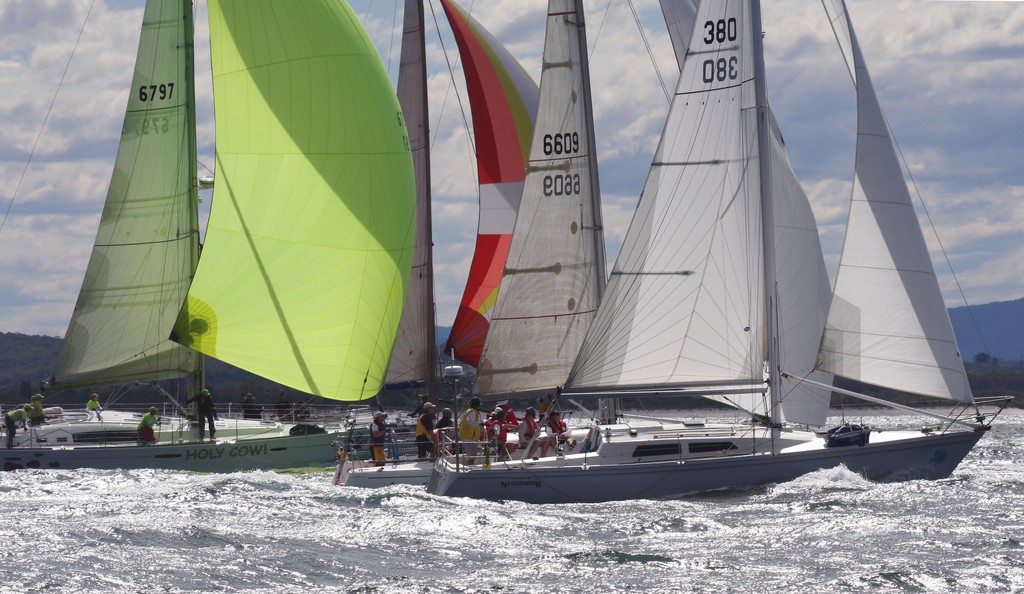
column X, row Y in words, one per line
column 307, row 252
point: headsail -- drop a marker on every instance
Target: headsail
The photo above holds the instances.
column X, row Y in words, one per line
column 148, row 239
column 503, row 100
column 555, row 272
column 888, row 324
column 414, row 359
column 685, row 301
column 307, row 254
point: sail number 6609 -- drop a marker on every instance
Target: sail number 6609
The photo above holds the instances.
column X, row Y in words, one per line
column 562, row 185
column 565, row 143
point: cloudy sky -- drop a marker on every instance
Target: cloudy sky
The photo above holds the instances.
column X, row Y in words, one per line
column 949, row 74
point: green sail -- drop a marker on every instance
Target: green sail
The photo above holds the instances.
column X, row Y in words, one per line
column 147, row 242
column 306, row 259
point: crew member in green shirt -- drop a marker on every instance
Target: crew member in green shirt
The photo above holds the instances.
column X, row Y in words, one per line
column 13, row 419
column 93, row 405
column 146, row 434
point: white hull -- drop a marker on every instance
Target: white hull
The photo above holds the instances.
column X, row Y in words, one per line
column 364, row 475
column 583, row 478
column 269, row 453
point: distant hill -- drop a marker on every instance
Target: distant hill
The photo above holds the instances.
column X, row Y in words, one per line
column 27, row 360
column 996, row 329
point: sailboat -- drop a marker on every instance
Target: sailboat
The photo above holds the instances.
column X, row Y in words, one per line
column 498, row 112
column 697, row 304
column 306, row 257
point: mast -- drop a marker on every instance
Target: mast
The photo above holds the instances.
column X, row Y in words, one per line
column 196, row 378
column 767, row 215
column 607, row 408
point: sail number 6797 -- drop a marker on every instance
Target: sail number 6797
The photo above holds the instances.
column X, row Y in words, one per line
column 154, row 92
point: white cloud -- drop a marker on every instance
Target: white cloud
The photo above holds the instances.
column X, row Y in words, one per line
column 949, row 74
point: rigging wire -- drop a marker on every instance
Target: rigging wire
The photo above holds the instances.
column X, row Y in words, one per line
column 935, row 232
column 46, row 118
column 451, row 83
column 391, row 39
column 600, row 27
column 650, row 53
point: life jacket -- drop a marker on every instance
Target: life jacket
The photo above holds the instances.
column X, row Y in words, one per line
column 527, row 433
column 469, row 425
column 558, row 427
column 422, row 428
column 496, row 430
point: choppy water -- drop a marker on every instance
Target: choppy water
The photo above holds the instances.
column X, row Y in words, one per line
column 832, row 531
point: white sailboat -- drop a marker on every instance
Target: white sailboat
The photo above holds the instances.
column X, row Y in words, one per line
column 307, row 253
column 705, row 300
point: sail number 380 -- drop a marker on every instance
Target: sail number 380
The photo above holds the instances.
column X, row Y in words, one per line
column 722, row 69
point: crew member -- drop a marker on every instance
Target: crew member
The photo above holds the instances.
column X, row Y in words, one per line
column 378, row 431
column 146, row 433
column 425, row 432
column 36, row 416
column 207, row 412
column 559, row 431
column 16, row 417
column 93, row 406
column 469, row 429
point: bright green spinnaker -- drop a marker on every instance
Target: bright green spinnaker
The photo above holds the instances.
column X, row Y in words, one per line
column 307, row 254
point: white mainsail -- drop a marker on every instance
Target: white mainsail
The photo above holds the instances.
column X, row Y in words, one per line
column 555, row 273
column 804, row 289
column 147, row 244
column 888, row 325
column 685, row 301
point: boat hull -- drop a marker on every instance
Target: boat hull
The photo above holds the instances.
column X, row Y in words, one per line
column 923, row 457
column 272, row 453
column 364, row 475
